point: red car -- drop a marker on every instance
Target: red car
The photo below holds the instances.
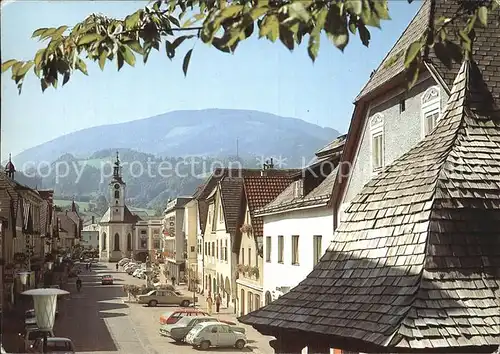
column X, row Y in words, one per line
column 172, row 317
column 107, row 280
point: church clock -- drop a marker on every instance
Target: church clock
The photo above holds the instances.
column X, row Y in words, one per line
column 117, row 186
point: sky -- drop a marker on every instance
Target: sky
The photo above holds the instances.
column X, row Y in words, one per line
column 260, row 76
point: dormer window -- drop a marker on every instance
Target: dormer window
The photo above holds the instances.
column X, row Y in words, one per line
column 431, row 109
column 377, row 142
column 298, row 188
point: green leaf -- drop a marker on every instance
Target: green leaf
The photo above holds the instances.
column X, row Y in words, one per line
column 174, row 21
column 119, row 60
column 382, row 9
column 132, row 21
column 336, row 27
column 15, row 68
column 393, row 59
column 364, row 34
column 286, row 37
column 412, row 72
column 257, row 12
column 59, row 31
column 135, row 46
column 39, row 56
column 25, row 68
column 466, row 41
column 127, row 54
column 352, row 27
column 38, row 32
column 412, row 51
column 482, row 14
column 6, row 65
column 80, row 65
column 354, row 6
column 66, row 78
column 185, row 62
column 230, row 11
column 88, row 38
column 44, row 84
column 102, row 59
column 270, row 28
column 442, row 54
column 297, row 10
column 170, row 50
column 455, row 51
column 178, row 41
column 313, row 46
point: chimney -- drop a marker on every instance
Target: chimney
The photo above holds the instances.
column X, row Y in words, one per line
column 93, row 219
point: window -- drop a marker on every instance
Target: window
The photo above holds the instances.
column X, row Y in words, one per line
column 250, row 302
column 377, row 141
column 280, row 249
column 249, row 257
column 212, row 216
column 129, row 242
column 104, row 241
column 295, row 249
column 217, row 250
column 225, row 250
column 257, row 301
column 431, row 109
column 192, row 248
column 213, row 249
column 317, row 249
column 117, row 194
column 207, row 249
column 221, row 214
column 117, row 242
column 156, row 243
column 268, row 248
column 242, row 256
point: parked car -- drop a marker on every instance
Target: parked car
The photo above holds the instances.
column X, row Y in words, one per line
column 123, row 261
column 54, row 345
column 30, row 315
column 31, row 333
column 179, row 330
column 172, row 317
column 164, row 297
column 107, row 279
column 136, row 272
column 209, row 334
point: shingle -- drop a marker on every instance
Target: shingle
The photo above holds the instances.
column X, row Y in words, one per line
column 426, row 269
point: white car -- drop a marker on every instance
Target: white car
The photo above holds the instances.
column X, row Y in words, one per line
column 122, row 262
column 136, row 272
column 212, row 334
column 129, row 266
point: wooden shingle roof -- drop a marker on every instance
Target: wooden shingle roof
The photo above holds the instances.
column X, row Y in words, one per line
column 486, row 47
column 416, row 264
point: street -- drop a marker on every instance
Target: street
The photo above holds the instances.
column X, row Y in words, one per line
column 98, row 320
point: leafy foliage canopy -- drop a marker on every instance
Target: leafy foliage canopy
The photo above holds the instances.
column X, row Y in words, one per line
column 223, row 24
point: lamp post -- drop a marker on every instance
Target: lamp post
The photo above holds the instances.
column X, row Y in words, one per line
column 23, row 276
column 50, row 265
column 45, row 303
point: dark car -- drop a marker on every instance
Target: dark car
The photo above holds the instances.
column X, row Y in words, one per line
column 54, row 345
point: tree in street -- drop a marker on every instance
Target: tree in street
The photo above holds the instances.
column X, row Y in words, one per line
column 223, row 24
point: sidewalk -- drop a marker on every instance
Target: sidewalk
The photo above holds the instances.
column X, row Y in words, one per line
column 258, row 342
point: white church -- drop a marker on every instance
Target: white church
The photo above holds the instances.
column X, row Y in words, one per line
column 122, row 234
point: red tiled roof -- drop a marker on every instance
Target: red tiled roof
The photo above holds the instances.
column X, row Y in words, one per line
column 260, row 191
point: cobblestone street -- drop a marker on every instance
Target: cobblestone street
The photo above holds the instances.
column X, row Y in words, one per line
column 98, row 320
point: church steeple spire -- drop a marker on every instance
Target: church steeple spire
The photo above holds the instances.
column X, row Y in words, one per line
column 117, row 169
column 10, row 170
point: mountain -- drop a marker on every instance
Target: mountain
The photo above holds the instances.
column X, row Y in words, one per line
column 210, row 132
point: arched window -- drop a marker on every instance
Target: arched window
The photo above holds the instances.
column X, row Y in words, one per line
column 104, row 241
column 268, row 298
column 129, row 242
column 117, row 194
column 117, row 242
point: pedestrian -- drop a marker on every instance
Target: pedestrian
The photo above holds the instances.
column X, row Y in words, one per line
column 218, row 300
column 86, row 266
column 210, row 303
column 90, row 266
column 117, row 267
column 78, row 284
column 173, row 280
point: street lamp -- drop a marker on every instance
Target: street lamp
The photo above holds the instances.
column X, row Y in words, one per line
column 45, row 303
column 50, row 265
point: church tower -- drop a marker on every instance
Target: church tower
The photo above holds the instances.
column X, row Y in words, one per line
column 117, row 193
